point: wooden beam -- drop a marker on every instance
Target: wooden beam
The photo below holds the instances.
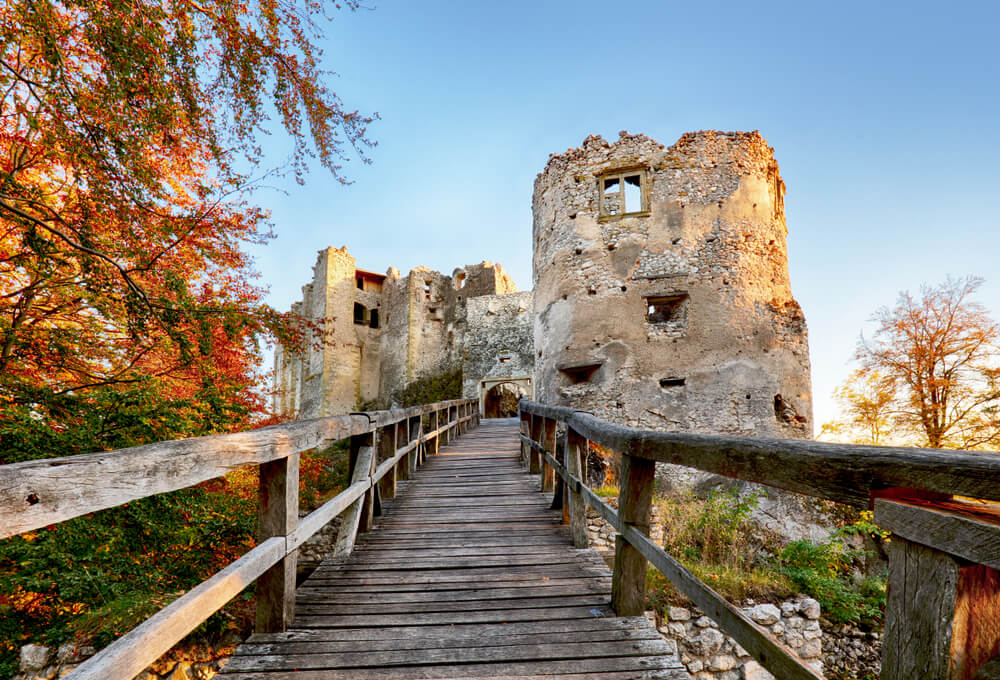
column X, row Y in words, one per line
column 948, row 530
column 549, row 446
column 535, row 434
column 277, row 516
column 844, row 473
column 386, row 445
column 773, row 655
column 635, row 496
column 127, row 656
column 576, row 447
column 355, row 517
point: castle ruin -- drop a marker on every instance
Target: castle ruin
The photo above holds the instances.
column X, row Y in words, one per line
column 661, row 300
column 383, row 332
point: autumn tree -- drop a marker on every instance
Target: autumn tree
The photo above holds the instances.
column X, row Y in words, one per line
column 867, row 403
column 129, row 128
column 930, row 370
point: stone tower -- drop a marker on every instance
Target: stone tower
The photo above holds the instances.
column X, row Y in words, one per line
column 662, row 295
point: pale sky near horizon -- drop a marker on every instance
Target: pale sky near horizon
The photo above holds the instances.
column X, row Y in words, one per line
column 883, row 117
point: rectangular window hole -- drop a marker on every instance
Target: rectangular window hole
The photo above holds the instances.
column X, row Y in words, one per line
column 579, row 373
column 665, row 308
column 672, row 382
column 360, row 282
column 504, row 360
column 373, row 319
column 360, row 314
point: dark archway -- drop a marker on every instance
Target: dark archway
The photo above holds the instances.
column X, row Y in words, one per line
column 501, row 400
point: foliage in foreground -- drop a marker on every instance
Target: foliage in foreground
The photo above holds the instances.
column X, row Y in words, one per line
column 715, row 539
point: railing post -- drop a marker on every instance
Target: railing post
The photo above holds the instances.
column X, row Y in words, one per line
column 386, row 450
column 403, row 439
column 635, row 496
column 359, row 515
column 549, row 442
column 942, row 610
column 277, row 515
column 535, row 432
column 576, row 457
column 525, row 429
column 415, row 424
column 435, row 426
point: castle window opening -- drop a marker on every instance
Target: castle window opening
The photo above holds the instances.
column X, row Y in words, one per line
column 427, row 290
column 360, row 314
column 624, row 194
column 672, row 382
column 460, row 281
column 373, row 319
column 504, row 360
column 360, row 282
column 579, row 373
column 666, row 308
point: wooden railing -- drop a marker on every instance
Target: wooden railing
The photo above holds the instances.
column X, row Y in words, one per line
column 942, row 621
column 384, row 446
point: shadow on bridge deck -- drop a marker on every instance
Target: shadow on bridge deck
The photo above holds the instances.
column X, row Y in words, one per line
column 467, row 574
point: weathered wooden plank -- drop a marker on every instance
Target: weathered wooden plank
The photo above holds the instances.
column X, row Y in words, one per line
column 845, row 473
column 460, row 632
column 130, row 654
column 311, row 607
column 628, row 590
column 322, row 515
column 919, row 612
column 773, row 655
column 444, row 641
column 951, row 532
column 576, row 448
column 635, row 667
column 317, row 593
column 277, row 516
column 361, row 445
column 453, row 655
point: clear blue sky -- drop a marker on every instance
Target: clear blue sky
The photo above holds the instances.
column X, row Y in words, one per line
column 883, row 117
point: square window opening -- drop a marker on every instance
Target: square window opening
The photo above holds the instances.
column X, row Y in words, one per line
column 360, row 314
column 373, row 319
column 624, row 193
column 666, row 308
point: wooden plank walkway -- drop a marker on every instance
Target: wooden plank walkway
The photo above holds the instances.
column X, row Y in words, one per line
column 467, row 574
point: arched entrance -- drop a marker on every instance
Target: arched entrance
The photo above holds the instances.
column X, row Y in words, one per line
column 500, row 399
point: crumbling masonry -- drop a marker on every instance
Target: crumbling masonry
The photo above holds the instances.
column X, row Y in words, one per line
column 661, row 300
column 384, row 332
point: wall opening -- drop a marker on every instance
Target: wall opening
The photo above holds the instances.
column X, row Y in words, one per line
column 579, row 373
column 360, row 283
column 672, row 382
column 460, row 281
column 373, row 319
column 500, row 401
column 666, row 308
column 360, row 314
column 623, row 193
column 427, row 290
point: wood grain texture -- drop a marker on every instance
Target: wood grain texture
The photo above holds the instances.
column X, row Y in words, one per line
column 277, row 516
column 635, row 497
column 467, row 574
column 844, row 473
column 919, row 613
column 130, row 654
column 949, row 531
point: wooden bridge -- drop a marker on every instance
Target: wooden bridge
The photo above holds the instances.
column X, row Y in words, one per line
column 449, row 563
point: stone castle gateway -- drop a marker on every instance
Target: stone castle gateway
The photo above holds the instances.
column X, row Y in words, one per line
column 661, row 300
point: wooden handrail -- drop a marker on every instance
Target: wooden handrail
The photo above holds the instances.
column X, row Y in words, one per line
column 39, row 493
column 933, row 538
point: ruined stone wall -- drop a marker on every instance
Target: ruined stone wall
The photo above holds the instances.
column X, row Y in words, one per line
column 498, row 340
column 420, row 333
column 725, row 348
column 331, row 379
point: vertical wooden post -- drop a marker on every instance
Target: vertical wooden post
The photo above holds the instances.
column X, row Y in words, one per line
column 277, row 515
column 941, row 615
column 525, row 429
column 358, row 516
column 416, row 432
column 576, row 447
column 635, row 496
column 549, row 442
column 403, row 439
column 535, row 432
column 436, row 425
column 386, row 450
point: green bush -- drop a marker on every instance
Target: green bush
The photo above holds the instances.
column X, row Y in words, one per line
column 824, row 571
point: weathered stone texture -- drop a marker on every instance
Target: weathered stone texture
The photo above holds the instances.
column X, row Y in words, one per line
column 732, row 357
column 498, row 343
column 420, row 332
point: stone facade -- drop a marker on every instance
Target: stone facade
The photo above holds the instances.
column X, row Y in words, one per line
column 382, row 332
column 662, row 296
